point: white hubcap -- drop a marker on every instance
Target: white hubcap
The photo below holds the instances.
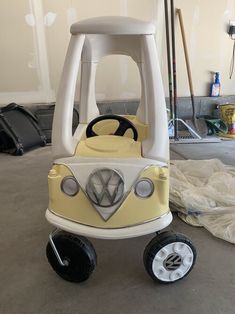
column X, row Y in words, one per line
column 173, row 261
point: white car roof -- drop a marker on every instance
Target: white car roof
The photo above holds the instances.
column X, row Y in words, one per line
column 113, row 25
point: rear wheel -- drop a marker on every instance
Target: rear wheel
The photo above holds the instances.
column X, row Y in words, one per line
column 169, row 257
column 77, row 253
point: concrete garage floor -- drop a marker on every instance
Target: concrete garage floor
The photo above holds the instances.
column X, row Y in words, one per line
column 120, row 283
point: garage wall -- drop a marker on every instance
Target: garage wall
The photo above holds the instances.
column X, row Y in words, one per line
column 35, row 35
column 24, row 68
column 210, row 48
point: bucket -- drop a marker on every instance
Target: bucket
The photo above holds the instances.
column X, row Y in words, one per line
column 227, row 114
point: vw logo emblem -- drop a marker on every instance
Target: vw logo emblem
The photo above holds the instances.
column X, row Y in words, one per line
column 173, row 261
column 105, row 187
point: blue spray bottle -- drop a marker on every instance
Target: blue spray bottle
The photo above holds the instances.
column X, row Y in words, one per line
column 215, row 86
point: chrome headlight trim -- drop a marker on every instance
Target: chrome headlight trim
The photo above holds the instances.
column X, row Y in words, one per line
column 150, row 186
column 74, row 189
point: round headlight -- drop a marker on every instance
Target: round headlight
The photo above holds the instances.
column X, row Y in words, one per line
column 144, row 188
column 70, row 186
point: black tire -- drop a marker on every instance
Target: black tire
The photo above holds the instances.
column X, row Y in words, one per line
column 172, row 266
column 77, row 251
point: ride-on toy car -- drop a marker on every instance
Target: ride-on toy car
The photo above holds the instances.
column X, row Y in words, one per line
column 110, row 180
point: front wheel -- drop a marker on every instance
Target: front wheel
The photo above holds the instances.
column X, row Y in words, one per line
column 76, row 252
column 169, row 257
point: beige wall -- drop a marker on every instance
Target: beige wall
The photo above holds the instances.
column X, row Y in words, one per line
column 23, row 69
column 16, row 54
column 210, row 48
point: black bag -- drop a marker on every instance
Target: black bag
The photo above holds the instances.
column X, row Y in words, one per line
column 19, row 130
column 45, row 114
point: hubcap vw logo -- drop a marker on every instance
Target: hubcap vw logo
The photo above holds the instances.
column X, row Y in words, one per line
column 172, row 262
column 105, row 187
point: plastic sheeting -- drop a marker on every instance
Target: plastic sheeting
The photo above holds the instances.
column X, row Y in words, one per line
column 203, row 192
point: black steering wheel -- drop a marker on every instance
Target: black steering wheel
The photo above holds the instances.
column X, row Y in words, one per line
column 124, row 125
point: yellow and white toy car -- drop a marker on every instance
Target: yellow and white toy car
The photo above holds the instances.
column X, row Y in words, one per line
column 110, row 180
